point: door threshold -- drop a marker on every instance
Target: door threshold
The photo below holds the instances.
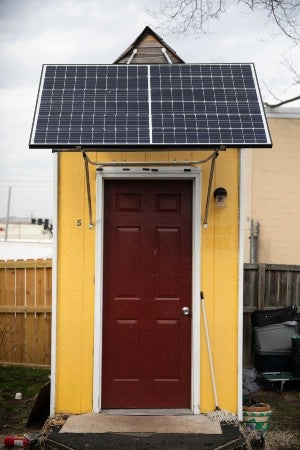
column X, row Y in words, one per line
column 147, row 412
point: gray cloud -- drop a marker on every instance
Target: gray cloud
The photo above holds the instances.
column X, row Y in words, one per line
column 34, row 32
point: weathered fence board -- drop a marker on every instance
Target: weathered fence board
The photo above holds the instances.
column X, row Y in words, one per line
column 25, row 311
column 267, row 286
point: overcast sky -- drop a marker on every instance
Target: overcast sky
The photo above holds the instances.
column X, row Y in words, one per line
column 36, row 32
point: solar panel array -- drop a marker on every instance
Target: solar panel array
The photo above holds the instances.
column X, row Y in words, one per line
column 194, row 105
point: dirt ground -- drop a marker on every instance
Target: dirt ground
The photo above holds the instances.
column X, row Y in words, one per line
column 283, row 434
column 284, row 431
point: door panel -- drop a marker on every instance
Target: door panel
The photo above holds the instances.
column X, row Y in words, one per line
column 147, row 280
column 127, row 262
column 167, row 272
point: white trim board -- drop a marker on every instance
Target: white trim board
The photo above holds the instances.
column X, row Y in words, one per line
column 241, row 282
column 167, row 173
column 283, row 113
column 54, row 286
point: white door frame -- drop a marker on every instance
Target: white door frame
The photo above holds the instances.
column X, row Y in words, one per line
column 170, row 173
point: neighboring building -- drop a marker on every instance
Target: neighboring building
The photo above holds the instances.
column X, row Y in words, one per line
column 121, row 337
column 273, row 191
column 21, row 239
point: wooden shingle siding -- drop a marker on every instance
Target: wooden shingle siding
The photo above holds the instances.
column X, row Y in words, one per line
column 149, row 50
column 149, row 55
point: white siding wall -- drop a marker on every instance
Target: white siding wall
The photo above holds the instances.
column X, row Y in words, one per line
column 273, row 192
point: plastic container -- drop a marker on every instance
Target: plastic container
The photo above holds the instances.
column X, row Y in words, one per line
column 276, row 337
column 264, row 317
column 296, row 345
column 274, row 361
column 16, row 441
column 257, row 418
column 296, row 366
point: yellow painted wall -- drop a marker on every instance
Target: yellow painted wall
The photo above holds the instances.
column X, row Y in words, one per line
column 75, row 290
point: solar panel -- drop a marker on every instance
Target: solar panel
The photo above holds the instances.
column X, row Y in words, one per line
column 180, row 105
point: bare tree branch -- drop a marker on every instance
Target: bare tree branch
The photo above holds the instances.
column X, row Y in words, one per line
column 290, row 65
column 183, row 17
column 193, row 16
column 271, row 92
column 283, row 102
column 188, row 16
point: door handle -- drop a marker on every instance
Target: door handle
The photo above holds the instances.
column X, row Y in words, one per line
column 185, row 310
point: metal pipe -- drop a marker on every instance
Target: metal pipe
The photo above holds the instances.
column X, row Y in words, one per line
column 212, row 168
column 254, row 233
column 88, row 188
column 124, row 164
column 151, row 163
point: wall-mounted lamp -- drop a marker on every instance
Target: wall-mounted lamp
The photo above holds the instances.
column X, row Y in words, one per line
column 220, row 195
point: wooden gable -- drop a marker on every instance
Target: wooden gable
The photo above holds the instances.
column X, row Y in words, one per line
column 148, row 46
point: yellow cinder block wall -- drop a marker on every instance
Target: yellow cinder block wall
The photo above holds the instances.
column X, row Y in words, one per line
column 76, row 278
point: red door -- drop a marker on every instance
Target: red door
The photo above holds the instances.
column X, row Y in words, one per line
column 147, row 281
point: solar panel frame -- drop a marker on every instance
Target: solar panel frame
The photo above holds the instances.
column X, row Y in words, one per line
column 180, row 105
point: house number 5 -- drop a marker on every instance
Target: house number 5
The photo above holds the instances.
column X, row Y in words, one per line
column 79, row 222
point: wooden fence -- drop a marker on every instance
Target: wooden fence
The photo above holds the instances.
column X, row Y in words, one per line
column 25, row 305
column 25, row 311
column 267, row 286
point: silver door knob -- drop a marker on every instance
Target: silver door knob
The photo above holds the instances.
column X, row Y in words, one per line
column 185, row 310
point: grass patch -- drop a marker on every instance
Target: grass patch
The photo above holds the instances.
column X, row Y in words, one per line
column 28, row 381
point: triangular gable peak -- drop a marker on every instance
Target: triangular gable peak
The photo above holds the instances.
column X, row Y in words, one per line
column 147, row 48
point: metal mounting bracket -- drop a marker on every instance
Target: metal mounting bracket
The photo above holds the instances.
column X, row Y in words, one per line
column 164, row 51
column 134, row 52
column 212, row 168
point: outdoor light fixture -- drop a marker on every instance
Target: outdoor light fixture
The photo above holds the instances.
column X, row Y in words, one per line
column 220, row 195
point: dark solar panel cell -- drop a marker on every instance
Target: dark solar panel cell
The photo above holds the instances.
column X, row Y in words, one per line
column 180, row 136
column 157, row 121
column 168, row 135
column 166, row 95
column 236, row 70
column 61, row 71
column 252, row 95
column 187, row 95
column 195, row 71
column 218, row 82
column 71, row 71
column 168, row 122
column 220, row 95
column 81, row 71
column 155, row 82
column 50, row 71
column 167, row 108
column 190, row 121
column 144, row 121
column 91, row 71
column 192, row 135
column 185, row 70
column 48, row 83
column 178, row 107
column 179, row 121
column 165, row 82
